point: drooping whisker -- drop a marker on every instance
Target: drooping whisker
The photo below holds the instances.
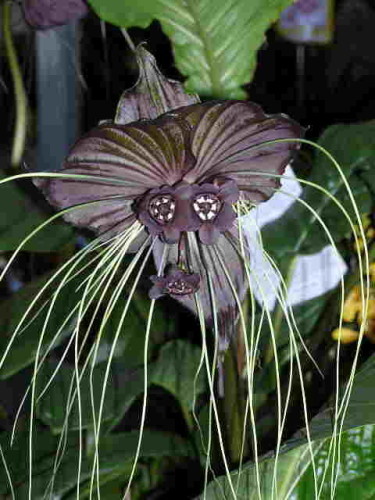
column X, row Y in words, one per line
column 59, row 175
column 145, row 368
column 250, row 354
column 210, row 378
column 96, row 286
column 36, row 366
column 123, row 243
column 75, row 259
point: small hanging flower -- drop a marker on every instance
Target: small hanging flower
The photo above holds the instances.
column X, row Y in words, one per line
column 176, row 282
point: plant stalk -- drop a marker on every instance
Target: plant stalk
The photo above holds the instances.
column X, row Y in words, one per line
column 19, row 137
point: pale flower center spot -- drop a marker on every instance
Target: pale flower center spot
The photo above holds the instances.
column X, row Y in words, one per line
column 207, row 206
column 162, row 208
column 179, row 287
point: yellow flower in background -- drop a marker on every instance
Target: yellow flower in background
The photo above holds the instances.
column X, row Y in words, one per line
column 369, row 231
column 372, row 272
column 353, row 313
column 345, row 335
column 352, row 305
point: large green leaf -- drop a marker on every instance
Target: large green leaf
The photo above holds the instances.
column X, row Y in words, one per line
column 19, row 216
column 295, row 479
column 356, row 468
column 23, row 351
column 360, row 410
column 122, row 388
column 295, row 456
column 289, row 467
column 116, row 458
column 214, row 41
column 174, row 370
column 299, row 231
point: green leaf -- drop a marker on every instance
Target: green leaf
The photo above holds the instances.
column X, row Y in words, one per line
column 116, row 459
column 356, row 477
column 23, row 351
column 299, row 231
column 214, row 41
column 289, row 467
column 360, row 411
column 175, row 370
column 356, row 469
column 19, row 216
column 123, row 387
column 121, row 391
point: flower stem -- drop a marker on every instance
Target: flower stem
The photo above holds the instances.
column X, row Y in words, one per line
column 232, row 405
column 19, row 90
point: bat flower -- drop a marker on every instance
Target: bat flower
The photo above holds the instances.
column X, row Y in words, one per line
column 175, row 282
column 179, row 172
column 176, row 166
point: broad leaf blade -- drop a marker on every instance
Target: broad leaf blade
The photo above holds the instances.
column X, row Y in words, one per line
column 356, row 469
column 19, row 216
column 289, row 467
column 23, row 351
column 360, row 410
column 116, row 459
column 176, row 369
column 215, row 41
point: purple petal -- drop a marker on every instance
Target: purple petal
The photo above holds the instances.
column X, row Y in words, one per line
column 137, row 158
column 226, row 304
column 229, row 192
column 153, row 94
column 226, row 218
column 208, row 233
column 228, row 139
column 171, row 234
column 156, row 292
column 175, row 282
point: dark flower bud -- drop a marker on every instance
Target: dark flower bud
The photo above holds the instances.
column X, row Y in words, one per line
column 176, row 282
column 44, row 14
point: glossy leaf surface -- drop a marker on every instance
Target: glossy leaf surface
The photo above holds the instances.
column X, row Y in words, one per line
column 289, row 467
column 216, row 58
column 356, row 469
column 116, row 458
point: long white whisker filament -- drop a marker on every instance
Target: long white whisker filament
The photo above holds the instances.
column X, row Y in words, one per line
column 194, row 246
column 123, row 244
column 145, row 367
column 248, row 358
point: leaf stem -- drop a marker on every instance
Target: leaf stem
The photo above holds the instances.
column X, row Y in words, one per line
column 19, row 90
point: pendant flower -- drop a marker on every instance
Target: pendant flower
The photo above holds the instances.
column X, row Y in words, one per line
column 177, row 166
column 176, row 282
